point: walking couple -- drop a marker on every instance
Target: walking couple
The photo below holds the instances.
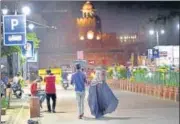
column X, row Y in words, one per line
column 49, row 93
column 101, row 99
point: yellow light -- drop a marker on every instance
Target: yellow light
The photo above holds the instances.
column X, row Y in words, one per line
column 90, row 35
column 121, row 38
column 98, row 37
column 81, row 37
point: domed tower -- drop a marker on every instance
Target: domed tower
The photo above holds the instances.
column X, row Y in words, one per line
column 88, row 10
column 89, row 26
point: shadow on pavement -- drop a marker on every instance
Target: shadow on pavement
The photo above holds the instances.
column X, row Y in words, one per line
column 61, row 112
column 111, row 118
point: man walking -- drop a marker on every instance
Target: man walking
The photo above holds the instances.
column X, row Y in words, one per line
column 79, row 80
column 50, row 80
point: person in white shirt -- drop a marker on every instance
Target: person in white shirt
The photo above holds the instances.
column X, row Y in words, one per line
column 16, row 78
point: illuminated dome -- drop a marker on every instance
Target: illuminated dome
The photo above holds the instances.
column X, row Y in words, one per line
column 88, row 9
column 88, row 6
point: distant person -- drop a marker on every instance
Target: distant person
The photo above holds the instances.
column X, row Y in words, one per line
column 2, row 86
column 65, row 75
column 83, row 70
column 128, row 72
column 4, row 78
column 50, row 80
column 79, row 80
column 16, row 78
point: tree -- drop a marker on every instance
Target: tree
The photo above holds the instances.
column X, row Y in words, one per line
column 32, row 36
column 7, row 51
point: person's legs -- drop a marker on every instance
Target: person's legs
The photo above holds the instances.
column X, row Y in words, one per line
column 82, row 103
column 53, row 96
column 48, row 102
column 42, row 96
column 78, row 98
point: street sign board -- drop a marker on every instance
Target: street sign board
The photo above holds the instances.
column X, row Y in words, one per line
column 28, row 49
column 14, row 30
column 155, row 53
column 34, row 58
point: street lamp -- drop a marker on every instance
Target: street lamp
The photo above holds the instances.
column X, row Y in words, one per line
column 151, row 32
column 31, row 26
column 162, row 31
column 178, row 26
column 5, row 11
column 26, row 10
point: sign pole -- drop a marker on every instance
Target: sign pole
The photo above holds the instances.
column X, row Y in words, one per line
column 0, row 68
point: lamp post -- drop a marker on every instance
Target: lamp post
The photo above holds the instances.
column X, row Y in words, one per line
column 157, row 32
column 151, row 32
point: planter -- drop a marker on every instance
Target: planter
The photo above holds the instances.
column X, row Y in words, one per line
column 133, row 87
column 124, row 85
column 160, row 91
column 3, row 111
column 171, row 94
column 146, row 89
column 143, row 88
column 150, row 90
column 136, row 87
column 121, row 84
column 165, row 92
column 176, row 94
column 130, row 86
column 155, row 91
column 139, row 87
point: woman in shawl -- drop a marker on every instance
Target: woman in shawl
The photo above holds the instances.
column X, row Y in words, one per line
column 101, row 99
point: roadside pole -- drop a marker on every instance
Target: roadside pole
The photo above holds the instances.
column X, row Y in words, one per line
column 0, row 61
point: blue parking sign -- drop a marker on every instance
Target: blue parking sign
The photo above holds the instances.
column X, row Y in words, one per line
column 14, row 30
column 155, row 53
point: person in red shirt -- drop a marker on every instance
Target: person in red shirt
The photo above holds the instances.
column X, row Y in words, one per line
column 50, row 80
column 37, row 92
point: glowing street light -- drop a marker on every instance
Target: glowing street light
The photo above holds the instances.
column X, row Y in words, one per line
column 81, row 37
column 151, row 32
column 162, row 31
column 5, row 11
column 98, row 37
column 26, row 10
column 31, row 26
column 178, row 26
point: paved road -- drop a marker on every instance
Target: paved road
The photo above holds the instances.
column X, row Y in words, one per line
column 133, row 109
